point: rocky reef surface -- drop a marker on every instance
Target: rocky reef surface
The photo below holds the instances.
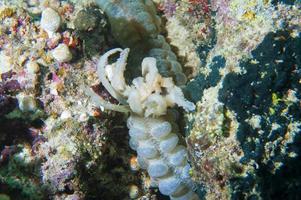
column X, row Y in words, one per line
column 237, row 61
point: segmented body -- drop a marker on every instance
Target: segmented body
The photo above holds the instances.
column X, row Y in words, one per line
column 161, row 155
column 135, row 25
column 151, row 134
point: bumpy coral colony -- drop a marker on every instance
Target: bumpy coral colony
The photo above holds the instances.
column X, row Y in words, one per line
column 153, row 136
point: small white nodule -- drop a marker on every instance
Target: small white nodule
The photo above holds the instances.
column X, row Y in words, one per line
column 169, row 186
column 50, row 21
column 147, row 150
column 161, row 129
column 157, row 168
column 138, row 133
column 177, row 156
column 62, row 53
column 168, row 144
column 133, row 143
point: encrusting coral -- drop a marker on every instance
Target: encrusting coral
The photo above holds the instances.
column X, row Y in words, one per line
column 152, row 135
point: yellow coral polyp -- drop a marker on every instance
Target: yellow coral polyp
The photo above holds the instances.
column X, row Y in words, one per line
column 275, row 99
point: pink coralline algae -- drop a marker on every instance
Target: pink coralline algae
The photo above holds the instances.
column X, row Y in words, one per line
column 169, row 8
column 195, row 8
column 8, row 83
column 199, row 8
column 222, row 11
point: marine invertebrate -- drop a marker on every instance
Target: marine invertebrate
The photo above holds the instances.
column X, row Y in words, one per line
column 152, row 134
column 142, row 36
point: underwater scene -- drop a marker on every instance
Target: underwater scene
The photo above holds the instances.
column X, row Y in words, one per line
column 150, row 99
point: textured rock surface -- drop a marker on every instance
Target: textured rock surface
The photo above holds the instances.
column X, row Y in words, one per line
column 244, row 138
column 269, row 89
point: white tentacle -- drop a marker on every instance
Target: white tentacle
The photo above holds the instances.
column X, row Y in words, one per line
column 102, row 74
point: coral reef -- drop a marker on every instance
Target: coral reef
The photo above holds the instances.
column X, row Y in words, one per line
column 19, row 169
column 244, row 135
column 75, row 150
column 60, row 134
column 34, row 163
column 271, row 145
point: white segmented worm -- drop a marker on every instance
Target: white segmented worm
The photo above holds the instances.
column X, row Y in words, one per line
column 151, row 134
